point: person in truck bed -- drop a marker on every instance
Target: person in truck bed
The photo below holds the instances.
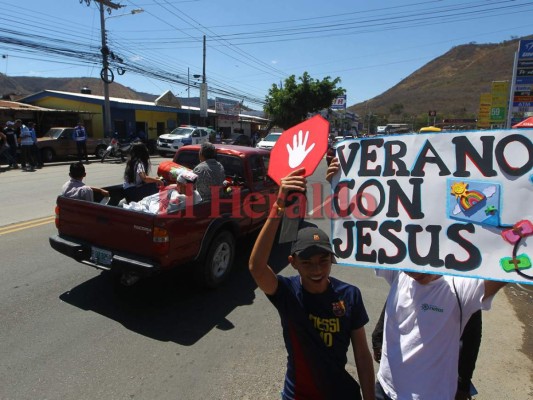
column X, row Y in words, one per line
column 76, row 189
column 170, row 199
column 137, row 182
column 210, row 172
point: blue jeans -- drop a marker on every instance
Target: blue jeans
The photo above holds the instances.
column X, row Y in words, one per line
column 380, row 393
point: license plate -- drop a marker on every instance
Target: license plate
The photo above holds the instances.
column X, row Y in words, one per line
column 101, row 256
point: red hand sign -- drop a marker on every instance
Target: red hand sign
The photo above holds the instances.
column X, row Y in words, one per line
column 302, row 146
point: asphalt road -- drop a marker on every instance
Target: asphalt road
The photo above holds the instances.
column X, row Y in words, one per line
column 66, row 332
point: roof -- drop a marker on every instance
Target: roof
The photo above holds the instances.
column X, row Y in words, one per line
column 95, row 99
column 158, row 105
column 16, row 106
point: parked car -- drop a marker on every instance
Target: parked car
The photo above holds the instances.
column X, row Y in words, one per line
column 269, row 141
column 167, row 144
column 58, row 143
column 242, row 140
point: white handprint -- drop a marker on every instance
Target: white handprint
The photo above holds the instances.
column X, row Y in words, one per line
column 298, row 152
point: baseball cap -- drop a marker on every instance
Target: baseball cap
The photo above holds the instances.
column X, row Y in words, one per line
column 310, row 241
column 10, row 123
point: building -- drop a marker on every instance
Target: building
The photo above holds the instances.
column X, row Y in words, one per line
column 131, row 116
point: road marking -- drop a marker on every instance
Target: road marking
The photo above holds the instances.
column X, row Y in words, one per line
column 26, row 225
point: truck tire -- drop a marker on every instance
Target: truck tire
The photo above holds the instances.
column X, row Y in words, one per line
column 47, row 155
column 100, row 151
column 219, row 260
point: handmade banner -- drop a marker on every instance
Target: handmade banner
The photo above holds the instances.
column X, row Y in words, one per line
column 458, row 203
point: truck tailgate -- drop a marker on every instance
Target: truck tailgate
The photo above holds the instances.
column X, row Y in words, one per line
column 107, row 227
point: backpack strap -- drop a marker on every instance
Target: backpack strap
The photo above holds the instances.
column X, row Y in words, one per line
column 460, row 307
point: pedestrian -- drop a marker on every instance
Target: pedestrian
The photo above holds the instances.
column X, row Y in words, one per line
column 468, row 351
column 80, row 136
column 137, row 182
column 26, row 146
column 12, row 142
column 320, row 315
column 425, row 315
column 210, row 172
column 35, row 149
column 76, row 189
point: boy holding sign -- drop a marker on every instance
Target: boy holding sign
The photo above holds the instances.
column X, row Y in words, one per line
column 424, row 317
column 320, row 315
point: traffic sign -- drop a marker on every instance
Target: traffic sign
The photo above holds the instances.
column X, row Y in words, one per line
column 302, row 146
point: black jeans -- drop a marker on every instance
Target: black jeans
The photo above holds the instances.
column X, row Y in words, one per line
column 82, row 150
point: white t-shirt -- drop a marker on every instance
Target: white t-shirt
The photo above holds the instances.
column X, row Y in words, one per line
column 139, row 168
column 422, row 330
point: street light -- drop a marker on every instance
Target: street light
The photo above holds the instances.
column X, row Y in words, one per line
column 132, row 12
column 195, row 76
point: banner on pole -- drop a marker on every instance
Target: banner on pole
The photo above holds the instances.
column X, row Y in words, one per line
column 227, row 109
column 339, row 103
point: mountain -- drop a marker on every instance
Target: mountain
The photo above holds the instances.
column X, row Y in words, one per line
column 20, row 86
column 450, row 84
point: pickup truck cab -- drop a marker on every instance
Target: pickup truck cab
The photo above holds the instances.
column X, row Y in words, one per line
column 135, row 243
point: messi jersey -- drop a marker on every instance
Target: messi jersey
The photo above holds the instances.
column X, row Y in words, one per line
column 316, row 331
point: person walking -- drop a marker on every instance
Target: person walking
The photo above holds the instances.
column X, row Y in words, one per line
column 26, row 146
column 11, row 139
column 80, row 136
column 34, row 148
column 320, row 315
column 425, row 316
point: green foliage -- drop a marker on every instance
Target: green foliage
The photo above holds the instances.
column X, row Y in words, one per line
column 289, row 104
column 396, row 109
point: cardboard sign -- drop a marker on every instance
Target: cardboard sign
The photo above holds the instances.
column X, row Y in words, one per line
column 456, row 203
column 302, row 146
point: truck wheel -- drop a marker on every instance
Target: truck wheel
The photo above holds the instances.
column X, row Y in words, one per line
column 219, row 260
column 47, row 155
column 100, row 151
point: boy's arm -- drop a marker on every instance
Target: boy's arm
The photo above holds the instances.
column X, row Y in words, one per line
column 333, row 168
column 363, row 363
column 263, row 275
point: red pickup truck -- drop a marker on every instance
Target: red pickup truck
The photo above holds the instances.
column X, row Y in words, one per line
column 109, row 237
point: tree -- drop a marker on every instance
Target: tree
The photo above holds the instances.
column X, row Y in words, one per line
column 396, row 109
column 289, row 104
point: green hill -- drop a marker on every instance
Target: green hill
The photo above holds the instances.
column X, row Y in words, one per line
column 450, row 84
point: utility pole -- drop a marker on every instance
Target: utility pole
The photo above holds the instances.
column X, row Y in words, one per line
column 104, row 74
column 203, row 91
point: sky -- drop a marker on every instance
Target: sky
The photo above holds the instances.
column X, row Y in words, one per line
column 250, row 45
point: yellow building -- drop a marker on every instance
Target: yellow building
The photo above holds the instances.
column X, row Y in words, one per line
column 127, row 116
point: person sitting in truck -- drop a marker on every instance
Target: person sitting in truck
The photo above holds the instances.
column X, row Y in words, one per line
column 210, row 172
column 137, row 183
column 185, row 181
column 76, row 189
column 170, row 199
